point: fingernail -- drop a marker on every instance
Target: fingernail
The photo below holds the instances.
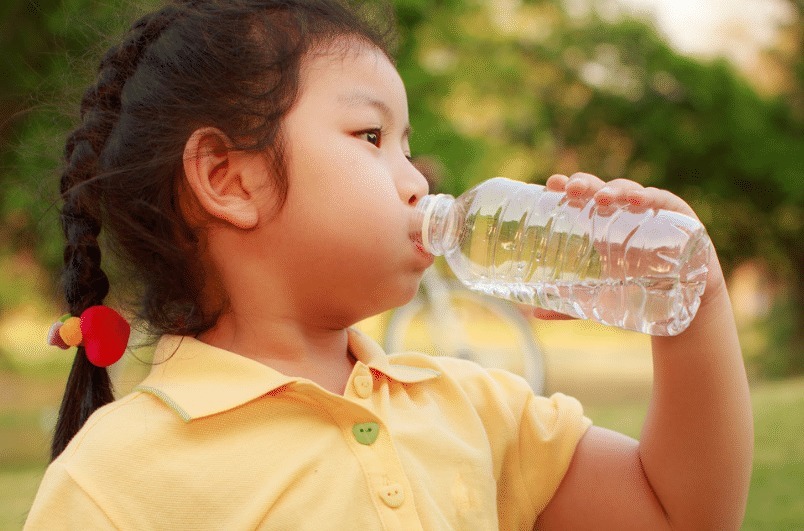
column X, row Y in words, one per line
column 634, row 197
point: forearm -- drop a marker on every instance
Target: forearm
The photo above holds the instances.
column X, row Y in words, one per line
column 696, row 446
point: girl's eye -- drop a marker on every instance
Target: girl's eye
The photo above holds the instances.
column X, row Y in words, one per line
column 373, row 136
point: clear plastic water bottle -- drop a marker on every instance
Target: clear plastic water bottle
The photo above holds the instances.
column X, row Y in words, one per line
column 637, row 269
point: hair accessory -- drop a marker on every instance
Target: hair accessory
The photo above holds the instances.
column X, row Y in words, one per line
column 70, row 332
column 100, row 330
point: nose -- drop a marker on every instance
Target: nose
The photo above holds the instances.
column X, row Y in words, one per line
column 412, row 185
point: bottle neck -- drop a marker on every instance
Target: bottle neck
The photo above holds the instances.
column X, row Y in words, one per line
column 440, row 223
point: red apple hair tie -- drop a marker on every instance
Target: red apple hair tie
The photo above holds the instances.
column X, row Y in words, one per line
column 100, row 330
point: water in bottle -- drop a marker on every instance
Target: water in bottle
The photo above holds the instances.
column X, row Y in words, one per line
column 637, row 269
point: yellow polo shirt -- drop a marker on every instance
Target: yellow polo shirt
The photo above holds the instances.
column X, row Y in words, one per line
column 214, row 440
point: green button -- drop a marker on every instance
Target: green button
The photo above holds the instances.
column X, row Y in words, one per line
column 366, row 433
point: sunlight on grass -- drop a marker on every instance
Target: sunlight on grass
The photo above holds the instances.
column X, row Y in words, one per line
column 23, row 333
column 776, row 500
column 18, row 488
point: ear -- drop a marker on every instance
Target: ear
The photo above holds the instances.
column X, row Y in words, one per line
column 223, row 180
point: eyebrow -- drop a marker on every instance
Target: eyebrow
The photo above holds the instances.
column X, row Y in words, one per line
column 359, row 99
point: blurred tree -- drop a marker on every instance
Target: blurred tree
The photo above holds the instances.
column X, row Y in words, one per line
column 496, row 87
column 791, row 218
column 793, row 34
column 51, row 49
column 22, row 27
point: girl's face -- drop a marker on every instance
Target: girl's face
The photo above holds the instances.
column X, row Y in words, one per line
column 343, row 236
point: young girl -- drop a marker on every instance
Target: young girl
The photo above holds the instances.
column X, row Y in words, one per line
column 249, row 160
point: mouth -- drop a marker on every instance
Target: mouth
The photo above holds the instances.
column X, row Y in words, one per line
column 417, row 243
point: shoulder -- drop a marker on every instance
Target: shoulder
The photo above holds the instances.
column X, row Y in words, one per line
column 532, row 437
column 468, row 375
column 454, row 369
column 492, row 391
column 119, row 442
column 63, row 503
column 101, row 459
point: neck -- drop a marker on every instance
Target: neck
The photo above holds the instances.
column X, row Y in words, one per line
column 279, row 343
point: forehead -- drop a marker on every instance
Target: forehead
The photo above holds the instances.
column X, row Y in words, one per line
column 349, row 67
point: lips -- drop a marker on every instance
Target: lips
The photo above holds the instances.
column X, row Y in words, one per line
column 417, row 243
column 419, row 246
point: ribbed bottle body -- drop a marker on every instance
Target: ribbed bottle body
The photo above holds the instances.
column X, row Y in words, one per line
column 641, row 270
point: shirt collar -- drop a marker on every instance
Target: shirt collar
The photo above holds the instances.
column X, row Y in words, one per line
column 196, row 379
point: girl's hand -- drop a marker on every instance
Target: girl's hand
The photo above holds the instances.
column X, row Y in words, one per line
column 584, row 186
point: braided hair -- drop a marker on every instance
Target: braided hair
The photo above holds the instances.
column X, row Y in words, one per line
column 230, row 64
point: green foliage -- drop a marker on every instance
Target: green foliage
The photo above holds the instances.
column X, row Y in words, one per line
column 55, row 48
column 533, row 92
column 774, row 361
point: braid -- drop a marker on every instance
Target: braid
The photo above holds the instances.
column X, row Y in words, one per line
column 84, row 282
column 232, row 64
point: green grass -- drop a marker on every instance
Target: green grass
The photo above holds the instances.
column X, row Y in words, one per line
column 17, row 490
column 776, row 499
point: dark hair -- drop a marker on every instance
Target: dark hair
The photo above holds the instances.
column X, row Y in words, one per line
column 230, row 64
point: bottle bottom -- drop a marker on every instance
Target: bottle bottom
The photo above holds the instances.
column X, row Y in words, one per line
column 657, row 306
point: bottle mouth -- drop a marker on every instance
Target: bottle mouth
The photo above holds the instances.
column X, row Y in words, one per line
column 416, row 221
column 427, row 218
column 435, row 223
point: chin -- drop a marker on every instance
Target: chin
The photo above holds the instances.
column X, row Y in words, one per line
column 409, row 296
column 390, row 296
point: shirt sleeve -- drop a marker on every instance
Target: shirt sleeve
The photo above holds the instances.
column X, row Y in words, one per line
column 550, row 430
column 533, row 439
column 62, row 504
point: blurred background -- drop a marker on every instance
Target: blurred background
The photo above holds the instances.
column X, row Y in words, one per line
column 701, row 97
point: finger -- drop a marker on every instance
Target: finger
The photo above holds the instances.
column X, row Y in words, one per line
column 556, row 183
column 615, row 191
column 658, row 199
column 583, row 184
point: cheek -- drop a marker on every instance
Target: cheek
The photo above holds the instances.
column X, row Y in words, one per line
column 343, row 198
column 345, row 231
column 356, row 204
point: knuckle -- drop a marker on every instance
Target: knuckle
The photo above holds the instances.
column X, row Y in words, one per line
column 581, row 175
column 625, row 183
